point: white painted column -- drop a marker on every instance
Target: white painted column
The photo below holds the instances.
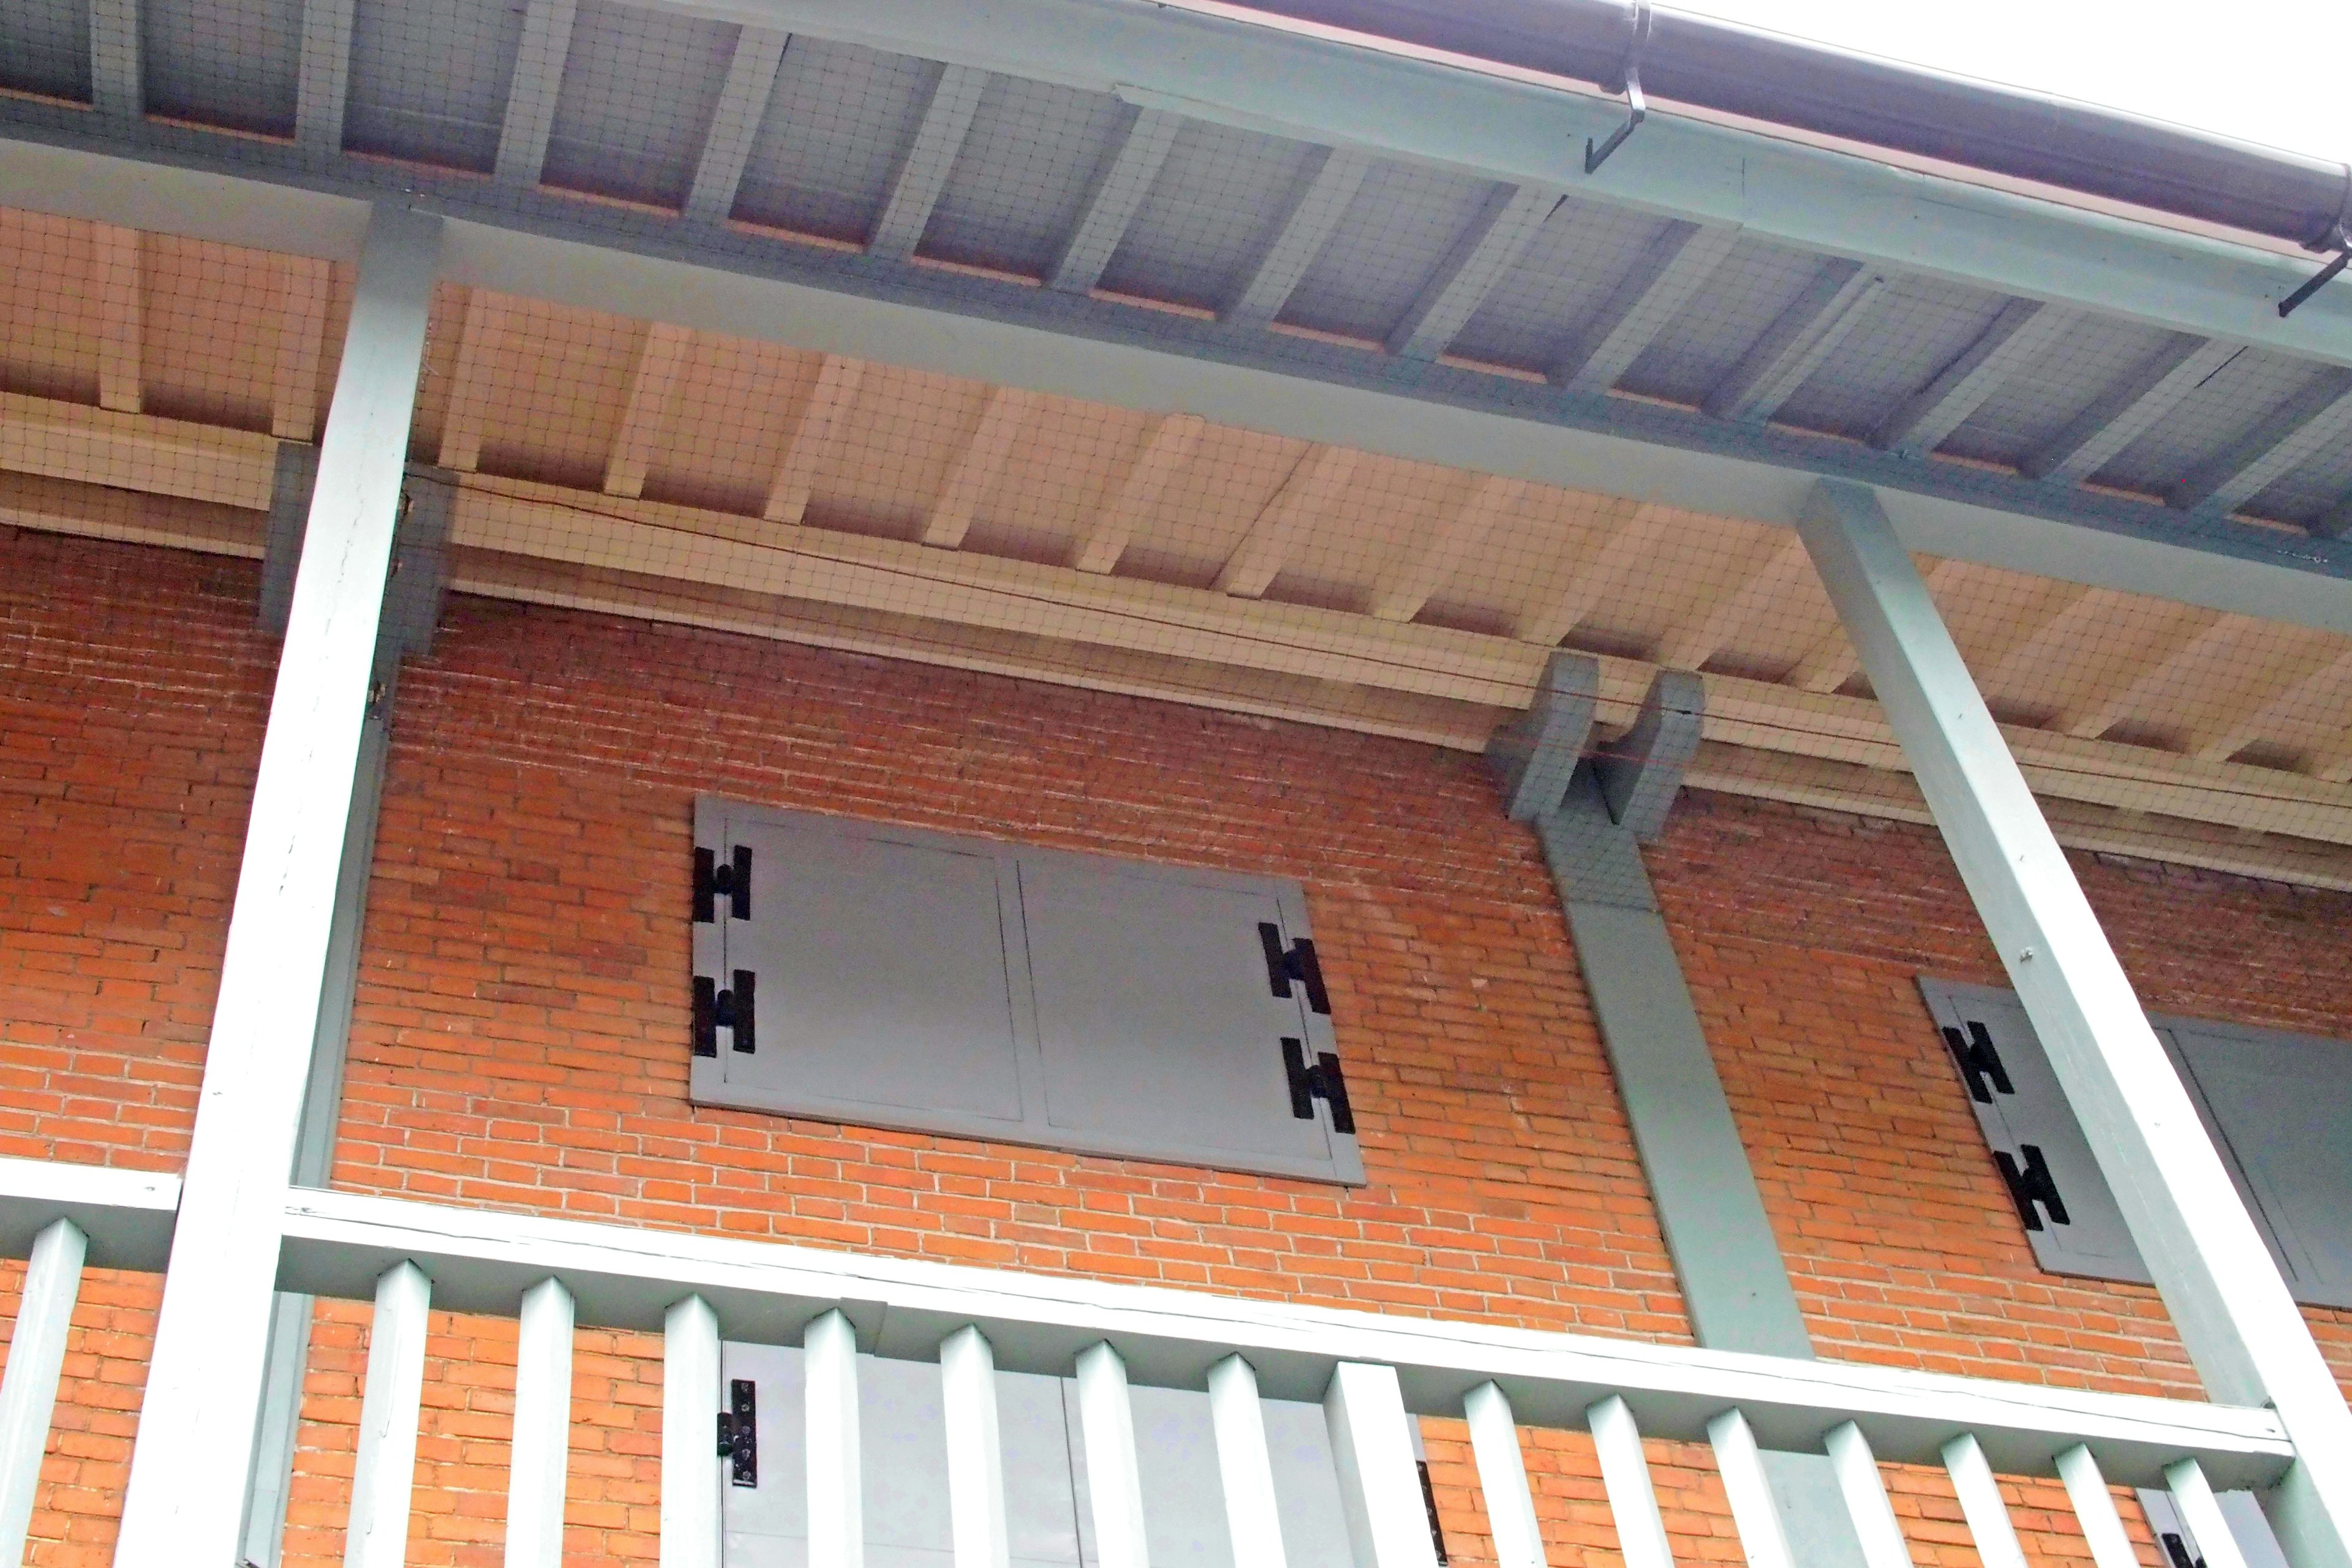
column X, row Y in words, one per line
column 1503, row 1478
column 1114, row 1481
column 689, row 1452
column 1741, row 1465
column 836, row 1490
column 1625, row 1476
column 384, row 1473
column 188, row 1472
column 1867, row 1503
column 2094, row 1506
column 1244, row 1465
column 976, row 1522
column 1372, row 1439
column 1981, row 1505
column 2200, row 1510
column 36, row 1357
column 543, row 1429
column 2233, row 1311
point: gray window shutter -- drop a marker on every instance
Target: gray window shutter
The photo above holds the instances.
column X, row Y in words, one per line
column 859, row 972
column 2280, row 1108
column 884, row 987
column 2070, row 1214
column 1157, row 1021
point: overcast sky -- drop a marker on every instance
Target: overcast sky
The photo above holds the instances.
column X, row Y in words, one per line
column 2276, row 71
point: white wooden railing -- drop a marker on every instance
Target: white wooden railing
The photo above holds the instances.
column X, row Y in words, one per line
column 1371, row 1374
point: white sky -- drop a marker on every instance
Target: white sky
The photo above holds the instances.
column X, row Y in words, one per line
column 2275, row 72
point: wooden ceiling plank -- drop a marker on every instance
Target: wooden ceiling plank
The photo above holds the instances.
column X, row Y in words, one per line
column 2260, row 713
column 1168, row 446
column 1406, row 585
column 485, row 339
column 114, row 259
column 1626, row 549
column 1726, row 617
column 653, row 396
column 816, row 431
column 304, row 287
column 1310, row 494
column 978, row 466
column 2163, row 681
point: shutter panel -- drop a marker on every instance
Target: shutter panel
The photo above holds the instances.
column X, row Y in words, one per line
column 2278, row 1105
column 884, row 981
column 2030, row 1122
column 859, row 972
column 1158, row 1025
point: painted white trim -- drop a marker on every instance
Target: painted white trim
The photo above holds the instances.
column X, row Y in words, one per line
column 36, row 1357
column 2094, row 1507
column 187, row 1485
column 483, row 1259
column 836, row 1466
column 1740, row 1463
column 2200, row 1510
column 1502, row 1479
column 689, row 1447
column 1978, row 1490
column 1372, row 1447
column 2241, row 1326
column 1865, row 1490
column 543, row 1428
column 383, row 1472
column 975, row 1451
column 1114, row 1480
column 1244, row 1465
column 1625, row 1476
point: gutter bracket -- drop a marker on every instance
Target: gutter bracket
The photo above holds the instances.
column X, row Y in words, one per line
column 2337, row 238
column 1637, row 22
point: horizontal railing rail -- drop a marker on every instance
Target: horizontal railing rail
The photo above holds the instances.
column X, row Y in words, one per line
column 1370, row 1370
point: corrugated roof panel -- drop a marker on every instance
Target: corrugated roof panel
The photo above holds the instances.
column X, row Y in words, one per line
column 639, row 91
column 2223, row 407
column 1916, row 328
column 1561, row 279
column 1691, row 355
column 1397, row 232
column 223, row 62
column 2035, row 404
column 1218, row 197
column 429, row 79
column 1015, row 193
column 837, row 120
column 45, row 47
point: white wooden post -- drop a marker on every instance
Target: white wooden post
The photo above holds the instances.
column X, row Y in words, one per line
column 689, row 1452
column 1372, row 1439
column 2094, row 1506
column 1625, row 1476
column 2235, row 1315
column 188, row 1472
column 384, row 1473
column 837, row 1491
column 36, row 1357
column 1114, row 1483
column 1244, row 1465
column 1503, row 1478
column 1981, row 1505
column 1741, row 1464
column 543, row 1429
column 1866, row 1503
column 976, row 1522
column 2200, row 1510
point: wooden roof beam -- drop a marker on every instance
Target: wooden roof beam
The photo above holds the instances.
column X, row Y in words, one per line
column 930, row 156
column 1672, row 269
column 1113, row 199
column 735, row 122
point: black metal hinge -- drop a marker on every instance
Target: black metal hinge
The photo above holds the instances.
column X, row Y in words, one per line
column 1979, row 1061
column 712, row 880
column 739, row 1431
column 2177, row 1551
column 1296, row 963
column 1323, row 1080
column 730, row 1010
column 2031, row 1185
column 1429, row 1501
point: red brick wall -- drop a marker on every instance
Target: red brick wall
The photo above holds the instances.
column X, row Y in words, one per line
column 520, row 1033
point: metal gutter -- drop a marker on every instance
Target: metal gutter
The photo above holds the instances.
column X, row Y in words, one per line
column 1859, row 99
